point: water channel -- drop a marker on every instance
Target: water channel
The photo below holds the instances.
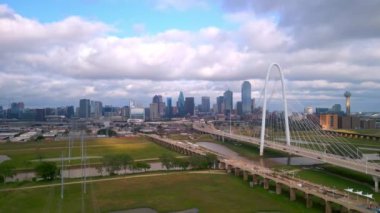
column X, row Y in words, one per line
column 90, row 172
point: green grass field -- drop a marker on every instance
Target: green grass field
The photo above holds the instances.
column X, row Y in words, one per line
column 343, row 180
column 23, row 154
column 171, row 192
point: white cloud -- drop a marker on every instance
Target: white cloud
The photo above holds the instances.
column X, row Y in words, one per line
column 63, row 61
column 180, row 5
column 139, row 28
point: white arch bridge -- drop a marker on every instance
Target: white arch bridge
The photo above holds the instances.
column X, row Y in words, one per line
column 300, row 135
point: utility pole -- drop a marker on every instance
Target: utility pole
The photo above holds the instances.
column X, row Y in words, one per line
column 69, row 147
column 83, row 164
column 230, row 123
column 62, row 176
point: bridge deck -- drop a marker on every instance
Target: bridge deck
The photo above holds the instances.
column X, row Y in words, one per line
column 356, row 165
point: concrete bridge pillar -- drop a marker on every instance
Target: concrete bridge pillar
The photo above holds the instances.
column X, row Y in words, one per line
column 328, row 208
column 255, row 179
column 344, row 209
column 292, row 194
column 266, row 183
column 245, row 175
column 229, row 168
column 278, row 188
column 376, row 180
column 223, row 138
column 222, row 165
column 309, row 201
column 237, row 171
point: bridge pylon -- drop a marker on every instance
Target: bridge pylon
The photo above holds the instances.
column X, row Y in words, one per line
column 284, row 99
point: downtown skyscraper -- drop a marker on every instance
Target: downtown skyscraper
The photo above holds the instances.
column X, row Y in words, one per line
column 189, row 106
column 228, row 102
column 169, row 108
column 181, row 104
column 84, row 108
column 246, row 97
column 205, row 104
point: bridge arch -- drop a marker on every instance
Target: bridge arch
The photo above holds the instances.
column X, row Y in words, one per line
column 284, row 99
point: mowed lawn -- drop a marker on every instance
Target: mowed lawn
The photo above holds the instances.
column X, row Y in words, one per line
column 23, row 154
column 171, row 192
column 344, row 180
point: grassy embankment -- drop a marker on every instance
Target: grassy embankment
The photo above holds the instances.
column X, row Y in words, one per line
column 171, row 192
column 27, row 155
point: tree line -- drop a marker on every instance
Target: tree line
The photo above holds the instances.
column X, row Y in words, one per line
column 208, row 161
column 114, row 164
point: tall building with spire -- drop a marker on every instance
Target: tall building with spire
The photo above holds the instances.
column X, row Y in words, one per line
column 246, row 97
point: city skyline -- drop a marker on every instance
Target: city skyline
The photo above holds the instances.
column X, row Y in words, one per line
column 295, row 106
column 189, row 106
column 104, row 54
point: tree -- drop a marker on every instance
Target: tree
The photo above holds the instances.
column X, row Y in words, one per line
column 47, row 170
column 109, row 132
column 142, row 165
column 6, row 170
column 167, row 161
column 99, row 169
column 198, row 162
column 112, row 163
column 183, row 163
column 211, row 160
column 126, row 161
column 39, row 138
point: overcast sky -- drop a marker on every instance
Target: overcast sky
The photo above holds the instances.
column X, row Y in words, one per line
column 55, row 52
